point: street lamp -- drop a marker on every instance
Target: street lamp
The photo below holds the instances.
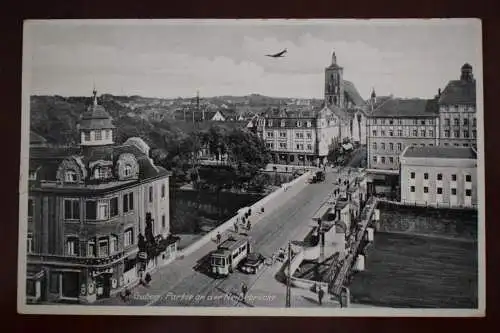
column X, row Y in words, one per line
column 289, row 276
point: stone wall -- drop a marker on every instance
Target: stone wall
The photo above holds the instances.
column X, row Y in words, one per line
column 449, row 223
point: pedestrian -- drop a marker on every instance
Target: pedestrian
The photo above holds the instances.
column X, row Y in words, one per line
column 244, row 290
column 148, row 278
column 218, row 237
column 236, row 227
column 321, row 293
column 249, row 225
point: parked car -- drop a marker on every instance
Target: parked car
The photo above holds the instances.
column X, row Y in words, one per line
column 252, row 263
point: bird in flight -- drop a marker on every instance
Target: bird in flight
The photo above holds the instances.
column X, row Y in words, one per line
column 277, row 55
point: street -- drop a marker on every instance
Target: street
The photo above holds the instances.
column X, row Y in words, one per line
column 290, row 222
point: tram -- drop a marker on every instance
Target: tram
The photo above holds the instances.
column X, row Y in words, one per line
column 229, row 254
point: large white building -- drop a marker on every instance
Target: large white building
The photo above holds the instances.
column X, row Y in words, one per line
column 439, row 176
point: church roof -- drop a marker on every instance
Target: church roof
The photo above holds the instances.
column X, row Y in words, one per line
column 459, row 92
column 353, row 93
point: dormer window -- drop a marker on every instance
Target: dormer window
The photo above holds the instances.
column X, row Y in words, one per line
column 86, row 136
column 98, row 135
column 309, row 124
column 70, row 176
column 282, row 123
column 108, row 134
column 127, row 170
column 299, row 124
column 99, row 173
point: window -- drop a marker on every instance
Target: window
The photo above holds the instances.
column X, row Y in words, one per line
column 466, row 134
column 447, row 122
column 108, row 134
column 453, row 191
column 391, row 146
column 91, row 248
column 439, row 190
column 456, row 134
column 431, row 133
column 374, row 145
column 391, row 133
column 426, row 189
column 382, row 145
column 456, row 122
column 412, row 189
column 474, row 133
column 382, row 133
column 98, row 135
column 374, row 159
column 309, row 124
column 103, row 210
column 282, row 124
column 163, row 221
column 446, row 144
column 86, row 136
column 113, row 207
column 127, row 170
column 474, row 122
column 29, row 243
column 468, row 178
column 128, row 202
column 163, row 190
column 426, row 175
column 454, row 178
column 298, row 146
column 70, row 176
column 391, row 122
column 466, row 121
column 309, row 147
column 283, row 145
column 282, row 134
column 113, row 244
column 447, row 133
column 468, row 193
column 99, row 173
column 466, row 145
column 412, row 175
column 72, row 209
column 54, row 283
column 270, row 123
column 374, row 121
column 270, row 145
column 439, row 176
column 422, row 122
column 422, row 133
column 391, row 159
column 72, row 246
column 128, row 237
column 270, row 134
column 422, row 145
column 400, row 132
column 400, row 146
column 456, row 144
column 415, row 133
column 30, row 208
column 151, row 194
column 400, row 121
column 431, row 121
column 383, row 159
column 103, row 248
column 299, row 124
column 374, row 133
column 91, row 210
column 309, row 135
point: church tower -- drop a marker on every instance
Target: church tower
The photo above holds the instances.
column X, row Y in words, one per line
column 334, row 84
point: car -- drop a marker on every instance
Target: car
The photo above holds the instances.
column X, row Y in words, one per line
column 252, row 263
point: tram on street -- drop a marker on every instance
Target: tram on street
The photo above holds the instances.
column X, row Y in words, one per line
column 229, row 254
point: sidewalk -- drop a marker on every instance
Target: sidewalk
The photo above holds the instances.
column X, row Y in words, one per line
column 165, row 278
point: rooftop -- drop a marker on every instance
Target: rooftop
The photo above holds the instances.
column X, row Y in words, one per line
column 459, row 92
column 440, row 152
column 399, row 107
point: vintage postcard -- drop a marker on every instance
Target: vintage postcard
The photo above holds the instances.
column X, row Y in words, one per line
column 252, row 167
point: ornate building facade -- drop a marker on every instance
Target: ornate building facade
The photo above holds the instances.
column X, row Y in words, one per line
column 98, row 215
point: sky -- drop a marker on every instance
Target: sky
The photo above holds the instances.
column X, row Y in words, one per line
column 170, row 59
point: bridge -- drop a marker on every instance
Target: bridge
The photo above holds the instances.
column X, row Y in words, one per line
column 337, row 277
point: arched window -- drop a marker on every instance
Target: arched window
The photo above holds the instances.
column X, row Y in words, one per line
column 70, row 176
column 127, row 170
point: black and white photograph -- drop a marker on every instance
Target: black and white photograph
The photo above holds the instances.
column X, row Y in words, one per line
column 252, row 168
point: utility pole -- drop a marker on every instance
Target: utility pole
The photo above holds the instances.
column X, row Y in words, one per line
column 289, row 276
